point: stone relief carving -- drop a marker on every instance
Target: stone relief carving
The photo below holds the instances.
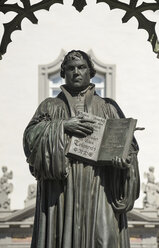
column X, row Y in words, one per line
column 31, row 196
column 5, row 189
column 31, row 191
column 151, row 189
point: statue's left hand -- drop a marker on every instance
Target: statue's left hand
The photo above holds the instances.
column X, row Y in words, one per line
column 121, row 163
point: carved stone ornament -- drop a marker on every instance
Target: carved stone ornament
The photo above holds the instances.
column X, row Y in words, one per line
column 5, row 189
column 31, row 195
column 132, row 9
column 151, row 190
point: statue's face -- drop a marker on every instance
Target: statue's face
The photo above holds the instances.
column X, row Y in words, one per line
column 77, row 74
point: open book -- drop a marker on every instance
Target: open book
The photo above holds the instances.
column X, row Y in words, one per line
column 110, row 138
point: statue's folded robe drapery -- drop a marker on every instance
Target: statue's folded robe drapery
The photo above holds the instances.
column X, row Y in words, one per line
column 78, row 205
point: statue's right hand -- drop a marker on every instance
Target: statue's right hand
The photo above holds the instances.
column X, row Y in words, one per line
column 78, row 126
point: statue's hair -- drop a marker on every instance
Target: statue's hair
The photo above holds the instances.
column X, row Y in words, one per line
column 77, row 53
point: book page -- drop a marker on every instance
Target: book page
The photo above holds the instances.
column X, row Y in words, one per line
column 117, row 138
column 88, row 147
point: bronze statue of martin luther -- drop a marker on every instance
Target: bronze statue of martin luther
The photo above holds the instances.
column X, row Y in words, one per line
column 78, row 205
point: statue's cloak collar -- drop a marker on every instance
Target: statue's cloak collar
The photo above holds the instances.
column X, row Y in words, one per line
column 67, row 97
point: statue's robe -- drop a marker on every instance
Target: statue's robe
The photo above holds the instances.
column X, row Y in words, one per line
column 78, row 205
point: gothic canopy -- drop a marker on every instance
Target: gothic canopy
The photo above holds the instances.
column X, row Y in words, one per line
column 132, row 9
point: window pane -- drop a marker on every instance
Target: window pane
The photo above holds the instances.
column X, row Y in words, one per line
column 99, row 92
column 55, row 92
column 56, row 79
column 97, row 80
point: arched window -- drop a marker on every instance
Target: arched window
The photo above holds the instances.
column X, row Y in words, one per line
column 50, row 80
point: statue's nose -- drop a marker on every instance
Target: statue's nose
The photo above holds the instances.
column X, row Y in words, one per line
column 76, row 71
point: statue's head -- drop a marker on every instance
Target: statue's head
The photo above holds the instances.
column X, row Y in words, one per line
column 77, row 69
column 4, row 169
column 151, row 169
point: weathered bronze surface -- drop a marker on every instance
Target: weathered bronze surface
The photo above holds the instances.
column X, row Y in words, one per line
column 78, row 204
column 132, row 9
